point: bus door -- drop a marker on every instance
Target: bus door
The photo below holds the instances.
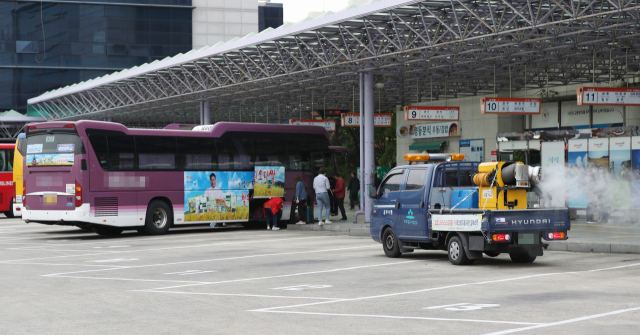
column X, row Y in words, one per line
column 413, row 207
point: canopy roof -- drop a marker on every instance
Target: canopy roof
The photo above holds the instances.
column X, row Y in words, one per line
column 419, row 50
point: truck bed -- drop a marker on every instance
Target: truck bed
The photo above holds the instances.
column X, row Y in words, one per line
column 539, row 219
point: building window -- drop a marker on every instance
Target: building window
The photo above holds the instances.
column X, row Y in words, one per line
column 27, row 47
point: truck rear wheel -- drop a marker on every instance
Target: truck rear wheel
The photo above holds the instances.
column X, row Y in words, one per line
column 390, row 244
column 159, row 218
column 457, row 255
column 522, row 258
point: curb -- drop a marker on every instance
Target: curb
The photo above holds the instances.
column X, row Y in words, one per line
column 334, row 227
column 605, row 248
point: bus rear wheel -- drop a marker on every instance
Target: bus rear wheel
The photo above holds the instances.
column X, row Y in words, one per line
column 10, row 214
column 107, row 230
column 159, row 218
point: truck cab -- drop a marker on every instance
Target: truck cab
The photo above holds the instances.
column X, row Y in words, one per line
column 443, row 204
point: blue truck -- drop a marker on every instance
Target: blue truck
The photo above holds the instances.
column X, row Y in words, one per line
column 468, row 209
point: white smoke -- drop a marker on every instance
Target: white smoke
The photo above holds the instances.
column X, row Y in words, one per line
column 586, row 185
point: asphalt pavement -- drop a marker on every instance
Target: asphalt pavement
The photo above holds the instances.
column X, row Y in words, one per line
column 64, row 280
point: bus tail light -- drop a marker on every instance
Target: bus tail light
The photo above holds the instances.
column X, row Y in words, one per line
column 78, row 194
column 24, row 192
column 69, row 125
column 556, row 236
column 501, row 237
column 14, row 192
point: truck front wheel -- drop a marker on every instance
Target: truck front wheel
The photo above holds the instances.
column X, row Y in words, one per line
column 457, row 256
column 522, row 258
column 390, row 244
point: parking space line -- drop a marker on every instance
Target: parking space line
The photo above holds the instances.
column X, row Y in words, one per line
column 168, row 248
column 237, row 295
column 544, row 325
column 451, row 286
column 140, row 280
column 443, row 306
column 222, row 259
column 233, row 280
column 299, row 274
column 401, row 317
column 69, row 264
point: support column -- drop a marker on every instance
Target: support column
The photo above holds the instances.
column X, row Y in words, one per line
column 369, row 159
column 363, row 194
column 205, row 112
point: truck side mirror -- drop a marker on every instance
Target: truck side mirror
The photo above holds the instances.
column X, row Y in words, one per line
column 373, row 192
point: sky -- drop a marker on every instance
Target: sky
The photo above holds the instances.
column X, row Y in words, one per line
column 296, row 10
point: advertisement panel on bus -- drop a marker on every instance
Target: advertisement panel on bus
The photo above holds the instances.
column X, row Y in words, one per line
column 217, row 196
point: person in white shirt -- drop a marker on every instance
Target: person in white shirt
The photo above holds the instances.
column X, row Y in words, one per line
column 320, row 186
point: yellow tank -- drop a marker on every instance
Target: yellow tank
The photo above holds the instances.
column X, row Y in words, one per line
column 495, row 196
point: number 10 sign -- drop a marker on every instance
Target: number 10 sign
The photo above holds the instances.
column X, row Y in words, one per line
column 510, row 106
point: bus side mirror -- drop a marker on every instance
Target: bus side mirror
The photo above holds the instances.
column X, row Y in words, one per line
column 373, row 192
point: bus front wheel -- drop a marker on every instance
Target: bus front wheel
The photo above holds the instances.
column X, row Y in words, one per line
column 159, row 218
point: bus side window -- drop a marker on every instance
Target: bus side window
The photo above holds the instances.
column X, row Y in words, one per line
column 197, row 153
column 228, row 155
column 122, row 151
column 265, row 152
column 156, row 152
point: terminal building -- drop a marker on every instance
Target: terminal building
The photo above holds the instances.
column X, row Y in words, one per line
column 490, row 63
column 51, row 44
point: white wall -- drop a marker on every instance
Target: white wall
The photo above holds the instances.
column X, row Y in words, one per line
column 221, row 20
column 474, row 125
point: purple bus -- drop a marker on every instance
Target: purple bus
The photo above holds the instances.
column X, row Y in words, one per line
column 106, row 177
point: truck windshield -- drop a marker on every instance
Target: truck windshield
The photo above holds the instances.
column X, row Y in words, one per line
column 52, row 149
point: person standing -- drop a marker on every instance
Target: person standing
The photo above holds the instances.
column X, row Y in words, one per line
column 321, row 186
column 300, row 200
column 271, row 209
column 354, row 187
column 339, row 193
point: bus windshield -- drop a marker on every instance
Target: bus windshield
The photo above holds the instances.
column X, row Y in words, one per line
column 52, row 148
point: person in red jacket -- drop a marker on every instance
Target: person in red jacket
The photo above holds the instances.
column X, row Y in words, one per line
column 338, row 193
column 271, row 209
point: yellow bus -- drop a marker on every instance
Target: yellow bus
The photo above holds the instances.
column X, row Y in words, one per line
column 17, row 176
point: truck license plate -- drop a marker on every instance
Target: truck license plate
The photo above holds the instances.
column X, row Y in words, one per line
column 50, row 198
column 526, row 239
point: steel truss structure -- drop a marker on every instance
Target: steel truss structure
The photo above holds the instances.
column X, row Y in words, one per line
column 419, row 50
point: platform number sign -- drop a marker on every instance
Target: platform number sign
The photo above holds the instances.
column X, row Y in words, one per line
column 590, row 97
column 431, row 113
column 523, row 106
column 379, row 120
column 608, row 96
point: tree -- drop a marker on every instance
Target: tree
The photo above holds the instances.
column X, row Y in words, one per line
column 349, row 137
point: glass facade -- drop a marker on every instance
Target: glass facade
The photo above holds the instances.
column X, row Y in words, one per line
column 50, row 45
column 270, row 16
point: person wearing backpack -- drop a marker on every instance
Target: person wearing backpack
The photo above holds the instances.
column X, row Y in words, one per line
column 300, row 200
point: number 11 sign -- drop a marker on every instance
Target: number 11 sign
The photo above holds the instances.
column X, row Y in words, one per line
column 510, row 106
column 608, row 96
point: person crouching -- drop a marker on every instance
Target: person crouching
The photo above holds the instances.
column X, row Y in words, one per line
column 271, row 209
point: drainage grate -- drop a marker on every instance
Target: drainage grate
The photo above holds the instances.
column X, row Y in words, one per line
column 107, row 206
